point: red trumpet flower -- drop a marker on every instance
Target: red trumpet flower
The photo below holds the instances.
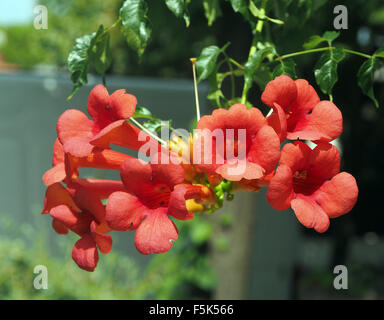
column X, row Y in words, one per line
column 80, row 210
column 309, row 181
column 299, row 113
column 243, row 145
column 75, row 130
column 153, row 192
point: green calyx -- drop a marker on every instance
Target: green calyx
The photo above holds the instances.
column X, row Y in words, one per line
column 223, row 191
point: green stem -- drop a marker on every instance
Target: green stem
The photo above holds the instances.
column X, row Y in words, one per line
column 140, row 126
column 294, row 54
column 260, row 23
column 240, row 66
column 233, row 72
column 253, row 49
column 358, row 53
column 153, row 118
column 232, row 76
column 298, row 53
column 106, row 30
column 114, row 25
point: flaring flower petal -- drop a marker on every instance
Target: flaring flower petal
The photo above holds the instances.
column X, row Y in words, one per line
column 55, row 195
column 339, row 195
column 103, row 241
column 282, row 90
column 278, row 121
column 237, row 116
column 265, row 149
column 85, row 254
column 156, row 233
column 325, row 123
column 59, row 227
column 89, row 202
column 235, row 171
column 58, row 153
column 295, row 155
column 307, row 97
column 54, row 175
column 123, row 104
column 73, row 123
column 77, row 222
column 98, row 102
column 310, row 214
column 324, row 162
column 124, row 211
column 280, row 191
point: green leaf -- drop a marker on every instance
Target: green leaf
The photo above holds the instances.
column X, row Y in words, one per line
column 78, row 62
column 155, row 125
column 151, row 123
column 179, row 8
column 135, row 25
column 273, row 20
column 206, row 62
column 212, row 10
column 262, row 76
column 256, row 11
column 215, row 93
column 314, row 41
column 260, row 14
column 326, row 69
column 287, row 67
column 99, row 51
column 142, row 112
column 331, row 36
column 176, row 6
column 271, row 47
column 379, row 53
column 365, row 77
column 240, row 6
column 253, row 64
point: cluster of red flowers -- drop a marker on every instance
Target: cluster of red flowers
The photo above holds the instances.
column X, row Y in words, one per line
column 151, row 194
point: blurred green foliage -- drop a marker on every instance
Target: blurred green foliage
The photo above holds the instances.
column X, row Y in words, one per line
column 168, row 53
column 182, row 273
column 66, row 22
